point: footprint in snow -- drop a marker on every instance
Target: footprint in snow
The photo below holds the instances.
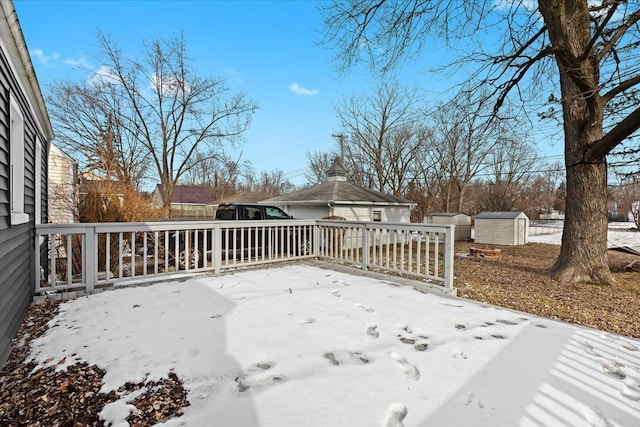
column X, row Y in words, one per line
column 407, row 328
column 409, row 369
column 255, row 377
column 595, row 418
column 364, row 307
column 338, row 357
column 588, row 348
column 614, row 369
column 308, row 321
column 336, row 293
column 627, row 345
column 506, row 322
column 397, row 412
column 371, row 330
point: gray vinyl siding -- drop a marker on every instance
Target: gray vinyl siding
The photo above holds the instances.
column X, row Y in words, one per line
column 17, row 255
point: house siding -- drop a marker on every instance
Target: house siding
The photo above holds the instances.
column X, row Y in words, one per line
column 61, row 187
column 17, row 255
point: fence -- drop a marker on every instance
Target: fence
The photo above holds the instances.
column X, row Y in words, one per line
column 88, row 256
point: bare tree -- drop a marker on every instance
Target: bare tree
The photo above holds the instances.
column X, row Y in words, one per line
column 512, row 167
column 163, row 106
column 88, row 128
column 383, row 136
column 588, row 48
column 319, row 163
column 463, row 140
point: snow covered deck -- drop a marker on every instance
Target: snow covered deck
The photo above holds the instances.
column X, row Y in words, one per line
column 301, row 345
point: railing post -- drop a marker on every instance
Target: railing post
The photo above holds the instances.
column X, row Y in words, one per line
column 90, row 256
column 365, row 247
column 448, row 258
column 316, row 240
column 216, row 248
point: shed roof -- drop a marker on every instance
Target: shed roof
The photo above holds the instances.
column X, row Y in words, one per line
column 450, row 214
column 499, row 215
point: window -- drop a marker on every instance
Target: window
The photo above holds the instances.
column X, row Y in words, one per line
column 275, row 213
column 377, row 216
column 16, row 172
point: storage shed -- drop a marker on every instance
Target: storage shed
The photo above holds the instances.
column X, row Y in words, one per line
column 460, row 220
column 502, row 228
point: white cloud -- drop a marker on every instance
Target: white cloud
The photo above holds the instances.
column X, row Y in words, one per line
column 299, row 90
column 39, row 55
column 102, row 76
column 170, row 85
column 79, row 63
column 232, row 75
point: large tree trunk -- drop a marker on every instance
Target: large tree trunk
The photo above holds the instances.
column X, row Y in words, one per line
column 583, row 256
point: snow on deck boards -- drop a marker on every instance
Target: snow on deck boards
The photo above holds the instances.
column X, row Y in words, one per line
column 300, row 345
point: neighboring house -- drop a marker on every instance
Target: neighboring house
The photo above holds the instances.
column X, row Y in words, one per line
column 554, row 215
column 243, row 197
column 501, row 228
column 188, row 201
column 460, row 220
column 63, row 180
column 337, row 197
column 25, row 133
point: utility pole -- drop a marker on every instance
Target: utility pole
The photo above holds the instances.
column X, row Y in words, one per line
column 341, row 138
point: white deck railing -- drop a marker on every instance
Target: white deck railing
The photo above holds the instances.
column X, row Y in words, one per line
column 83, row 257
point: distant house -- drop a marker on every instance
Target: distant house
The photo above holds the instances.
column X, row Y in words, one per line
column 460, row 220
column 337, row 197
column 25, row 133
column 501, row 228
column 553, row 215
column 63, row 180
column 243, row 197
column 188, row 201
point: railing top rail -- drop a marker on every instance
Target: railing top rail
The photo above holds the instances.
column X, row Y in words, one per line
column 395, row 225
column 165, row 225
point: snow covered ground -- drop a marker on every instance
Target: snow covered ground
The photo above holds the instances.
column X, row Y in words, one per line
column 303, row 346
column 619, row 235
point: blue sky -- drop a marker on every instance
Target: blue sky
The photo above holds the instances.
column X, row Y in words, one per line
column 268, row 49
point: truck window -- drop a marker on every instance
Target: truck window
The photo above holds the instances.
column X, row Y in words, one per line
column 226, row 213
column 275, row 213
column 253, row 213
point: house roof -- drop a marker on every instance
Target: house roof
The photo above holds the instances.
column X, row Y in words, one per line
column 499, row 215
column 244, row 197
column 337, row 192
column 18, row 53
column 194, row 194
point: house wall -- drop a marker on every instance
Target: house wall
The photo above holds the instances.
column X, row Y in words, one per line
column 17, row 255
column 62, row 187
column 365, row 213
column 502, row 231
column 306, row 211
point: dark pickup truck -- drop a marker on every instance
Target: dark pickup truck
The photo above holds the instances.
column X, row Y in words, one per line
column 245, row 242
column 249, row 211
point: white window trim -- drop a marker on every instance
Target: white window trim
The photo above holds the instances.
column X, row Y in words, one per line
column 38, row 183
column 16, row 163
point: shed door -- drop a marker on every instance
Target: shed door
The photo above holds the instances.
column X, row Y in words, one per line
column 522, row 230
